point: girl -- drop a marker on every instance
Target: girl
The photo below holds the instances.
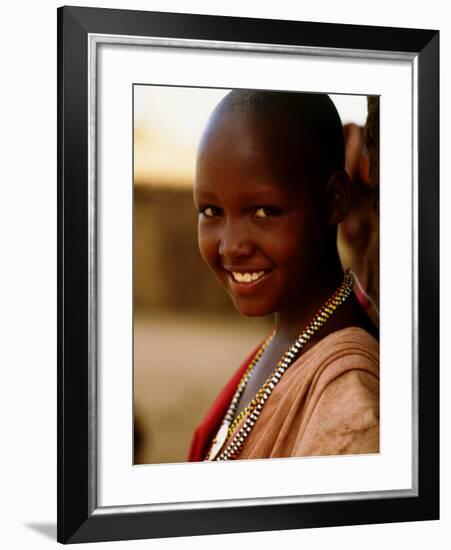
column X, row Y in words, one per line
column 270, row 189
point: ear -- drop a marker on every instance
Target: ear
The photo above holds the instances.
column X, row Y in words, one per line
column 338, row 197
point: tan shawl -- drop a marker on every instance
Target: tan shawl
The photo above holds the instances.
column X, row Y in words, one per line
column 326, row 403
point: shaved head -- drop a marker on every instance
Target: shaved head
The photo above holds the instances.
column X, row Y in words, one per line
column 300, row 132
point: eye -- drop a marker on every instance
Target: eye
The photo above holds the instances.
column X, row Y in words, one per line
column 210, row 211
column 266, row 212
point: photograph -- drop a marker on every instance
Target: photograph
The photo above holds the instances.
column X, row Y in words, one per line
column 247, row 274
column 256, row 225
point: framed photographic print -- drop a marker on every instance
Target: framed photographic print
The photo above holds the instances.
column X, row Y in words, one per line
column 248, row 299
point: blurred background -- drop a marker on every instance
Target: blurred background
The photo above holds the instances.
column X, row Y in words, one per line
column 188, row 337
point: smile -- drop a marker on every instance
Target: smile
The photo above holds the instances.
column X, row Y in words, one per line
column 247, row 277
column 246, row 283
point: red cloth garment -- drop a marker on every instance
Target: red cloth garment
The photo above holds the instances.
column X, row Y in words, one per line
column 211, row 422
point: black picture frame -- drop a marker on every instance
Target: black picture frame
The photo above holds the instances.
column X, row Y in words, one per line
column 79, row 517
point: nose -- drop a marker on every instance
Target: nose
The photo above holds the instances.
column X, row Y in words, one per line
column 235, row 242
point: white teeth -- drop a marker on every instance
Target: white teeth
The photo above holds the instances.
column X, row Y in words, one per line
column 247, row 277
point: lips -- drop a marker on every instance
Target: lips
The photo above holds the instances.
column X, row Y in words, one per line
column 246, row 281
column 247, row 276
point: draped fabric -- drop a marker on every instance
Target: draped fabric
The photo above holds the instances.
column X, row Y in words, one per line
column 327, row 403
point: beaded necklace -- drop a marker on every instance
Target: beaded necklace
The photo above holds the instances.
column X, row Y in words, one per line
column 254, row 408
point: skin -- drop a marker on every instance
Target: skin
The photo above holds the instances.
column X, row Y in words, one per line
column 261, row 209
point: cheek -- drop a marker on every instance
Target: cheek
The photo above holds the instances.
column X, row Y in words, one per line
column 286, row 244
column 208, row 246
column 294, row 253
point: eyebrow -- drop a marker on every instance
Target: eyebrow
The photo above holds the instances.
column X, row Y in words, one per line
column 261, row 195
column 208, row 195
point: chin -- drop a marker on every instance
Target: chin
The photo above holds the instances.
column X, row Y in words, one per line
column 253, row 309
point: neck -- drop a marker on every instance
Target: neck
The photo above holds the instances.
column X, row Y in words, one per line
column 291, row 320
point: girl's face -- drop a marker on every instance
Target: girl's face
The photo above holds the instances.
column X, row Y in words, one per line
column 259, row 228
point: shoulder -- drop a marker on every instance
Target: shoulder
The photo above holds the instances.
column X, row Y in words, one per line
column 342, row 405
column 351, row 340
column 349, row 349
column 347, row 372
